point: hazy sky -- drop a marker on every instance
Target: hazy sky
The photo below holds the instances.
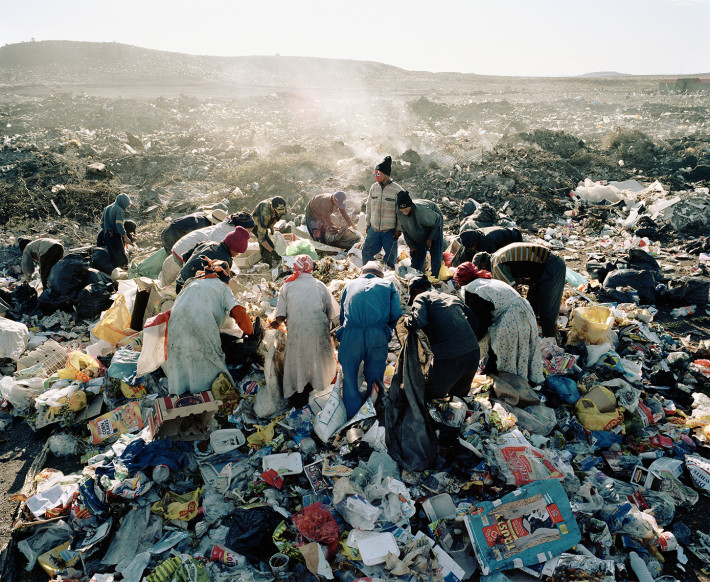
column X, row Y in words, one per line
column 496, row 37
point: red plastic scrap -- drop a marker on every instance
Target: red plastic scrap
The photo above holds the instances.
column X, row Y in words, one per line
column 317, row 524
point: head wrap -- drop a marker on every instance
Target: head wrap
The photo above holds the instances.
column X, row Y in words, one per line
column 417, row 284
column 243, row 219
column 467, row 272
column 302, row 264
column 214, row 268
column 385, row 166
column 340, row 197
column 470, row 238
column 237, row 240
column 373, row 268
column 404, row 200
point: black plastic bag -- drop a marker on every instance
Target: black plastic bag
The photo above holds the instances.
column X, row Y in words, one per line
column 93, row 299
column 642, row 281
column 688, row 291
column 68, row 277
column 410, row 436
column 50, row 301
column 101, row 260
column 250, row 532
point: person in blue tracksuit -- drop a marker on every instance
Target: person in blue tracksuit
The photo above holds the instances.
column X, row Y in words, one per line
column 115, row 235
column 369, row 310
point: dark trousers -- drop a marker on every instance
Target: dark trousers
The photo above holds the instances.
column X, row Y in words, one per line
column 48, row 260
column 545, row 294
column 436, row 252
column 116, row 249
column 452, row 376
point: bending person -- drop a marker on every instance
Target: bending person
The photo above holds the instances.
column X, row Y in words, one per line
column 507, row 332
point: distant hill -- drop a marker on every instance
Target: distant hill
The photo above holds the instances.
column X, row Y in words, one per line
column 605, row 74
column 89, row 65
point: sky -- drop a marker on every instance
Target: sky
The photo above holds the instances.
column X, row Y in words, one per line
column 490, row 37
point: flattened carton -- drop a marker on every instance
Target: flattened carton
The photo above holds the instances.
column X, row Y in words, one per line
column 528, row 526
column 183, row 418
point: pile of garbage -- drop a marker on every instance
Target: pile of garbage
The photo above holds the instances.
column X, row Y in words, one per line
column 585, row 474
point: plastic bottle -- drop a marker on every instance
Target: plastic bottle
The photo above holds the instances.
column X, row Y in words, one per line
column 639, row 568
column 683, row 311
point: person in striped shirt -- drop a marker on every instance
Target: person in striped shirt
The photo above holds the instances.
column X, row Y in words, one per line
column 532, row 264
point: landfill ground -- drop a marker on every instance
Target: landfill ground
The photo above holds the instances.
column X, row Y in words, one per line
column 74, row 136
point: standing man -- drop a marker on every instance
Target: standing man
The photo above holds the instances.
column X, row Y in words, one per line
column 450, row 327
column 382, row 224
column 369, row 310
column 45, row 251
column 115, row 235
column 422, row 225
column 319, row 221
column 535, row 265
column 266, row 214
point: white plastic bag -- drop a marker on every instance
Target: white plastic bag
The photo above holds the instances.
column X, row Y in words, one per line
column 333, row 416
column 14, row 336
column 155, row 344
column 269, row 399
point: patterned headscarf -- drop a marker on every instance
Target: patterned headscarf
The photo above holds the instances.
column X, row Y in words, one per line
column 214, row 268
column 467, row 272
column 302, row 264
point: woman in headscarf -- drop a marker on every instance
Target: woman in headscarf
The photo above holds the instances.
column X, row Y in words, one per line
column 507, row 324
column 308, row 308
column 195, row 356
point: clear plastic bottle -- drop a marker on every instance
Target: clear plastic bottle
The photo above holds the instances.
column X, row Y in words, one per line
column 683, row 311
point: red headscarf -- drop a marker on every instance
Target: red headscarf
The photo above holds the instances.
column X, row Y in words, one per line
column 467, row 272
column 302, row 264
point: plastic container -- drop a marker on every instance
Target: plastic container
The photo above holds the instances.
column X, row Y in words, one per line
column 226, row 439
column 374, row 550
column 683, row 311
column 283, row 463
column 439, row 507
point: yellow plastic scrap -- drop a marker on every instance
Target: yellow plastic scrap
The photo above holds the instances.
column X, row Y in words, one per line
column 264, row 434
column 173, row 506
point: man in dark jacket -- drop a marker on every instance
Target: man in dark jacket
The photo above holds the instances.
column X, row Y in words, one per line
column 485, row 240
column 45, row 251
column 234, row 243
column 422, row 225
column 115, row 235
column 450, row 327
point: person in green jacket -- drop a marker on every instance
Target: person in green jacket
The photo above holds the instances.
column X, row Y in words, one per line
column 422, row 225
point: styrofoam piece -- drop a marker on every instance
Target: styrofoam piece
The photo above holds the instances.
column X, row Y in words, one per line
column 439, row 507
column 374, row 550
column 283, row 463
column 357, row 535
column 226, row 439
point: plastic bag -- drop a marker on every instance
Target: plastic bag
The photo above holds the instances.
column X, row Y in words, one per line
column 317, row 524
column 67, row 277
column 591, row 324
column 173, row 506
column 269, row 399
column 149, row 267
column 123, row 366
column 513, row 389
column 155, row 344
column 93, row 299
column 410, row 436
column 565, row 387
column 20, row 394
column 81, row 367
column 101, row 261
column 44, row 538
column 535, row 419
column 115, row 325
column 301, row 247
column 14, row 336
column 597, row 410
column 251, row 532
column 333, row 415
column 359, row 512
